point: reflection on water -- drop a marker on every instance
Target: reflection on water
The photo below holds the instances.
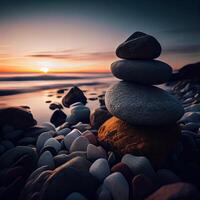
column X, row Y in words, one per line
column 92, row 87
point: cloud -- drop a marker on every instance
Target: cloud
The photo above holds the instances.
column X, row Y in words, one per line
column 75, row 55
column 183, row 49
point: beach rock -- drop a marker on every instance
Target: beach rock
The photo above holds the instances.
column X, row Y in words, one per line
column 191, row 126
column 191, row 117
column 104, row 194
column 17, row 117
column 98, row 117
column 81, row 126
column 79, row 113
column 76, row 104
column 193, row 108
column 75, row 196
column 189, row 71
column 142, row 186
column 60, row 159
column 35, row 131
column 165, row 177
column 79, row 144
column 73, row 176
column 42, row 138
column 74, row 95
column 49, row 126
column 58, row 117
column 151, row 105
column 176, row 191
column 26, row 141
column 117, row 185
column 124, row 138
column 53, row 143
column 139, row 165
column 60, row 138
column 46, row 159
column 112, row 159
column 70, row 137
column 150, row 72
column 124, row 169
column 100, row 169
column 90, row 136
column 61, row 91
column 139, row 46
column 64, row 131
column 13, row 135
column 7, row 144
column 64, row 125
column 55, row 105
column 93, row 153
column 10, row 157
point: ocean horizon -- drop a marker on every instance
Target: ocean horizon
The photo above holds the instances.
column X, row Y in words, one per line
column 16, row 83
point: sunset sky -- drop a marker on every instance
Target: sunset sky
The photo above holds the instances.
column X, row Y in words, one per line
column 68, row 36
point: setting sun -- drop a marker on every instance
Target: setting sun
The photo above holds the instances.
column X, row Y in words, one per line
column 44, row 69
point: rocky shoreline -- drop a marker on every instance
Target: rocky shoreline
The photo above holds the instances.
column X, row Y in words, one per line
column 141, row 143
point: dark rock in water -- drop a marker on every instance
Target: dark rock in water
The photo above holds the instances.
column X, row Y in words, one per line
column 55, row 105
column 150, row 72
column 17, row 117
column 72, row 176
column 58, row 118
column 98, row 117
column 61, row 91
column 142, row 105
column 176, row 191
column 124, row 138
column 74, row 95
column 139, row 46
column 93, row 98
column 190, row 71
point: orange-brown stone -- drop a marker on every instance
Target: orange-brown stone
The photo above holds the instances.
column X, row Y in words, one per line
column 153, row 142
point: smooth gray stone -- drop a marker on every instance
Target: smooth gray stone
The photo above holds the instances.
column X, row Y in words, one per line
column 79, row 144
column 70, row 137
column 94, row 153
column 100, row 169
column 42, row 138
column 46, row 159
column 64, row 131
column 117, row 185
column 150, row 72
column 49, row 126
column 139, row 165
column 53, row 143
column 142, row 105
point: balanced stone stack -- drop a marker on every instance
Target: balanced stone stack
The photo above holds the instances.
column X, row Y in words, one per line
column 144, row 116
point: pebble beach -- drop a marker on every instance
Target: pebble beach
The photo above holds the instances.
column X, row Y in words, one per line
column 122, row 139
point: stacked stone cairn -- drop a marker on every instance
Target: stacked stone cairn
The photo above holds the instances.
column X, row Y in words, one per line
column 144, row 116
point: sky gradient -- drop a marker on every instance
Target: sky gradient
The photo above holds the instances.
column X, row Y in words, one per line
column 68, row 36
